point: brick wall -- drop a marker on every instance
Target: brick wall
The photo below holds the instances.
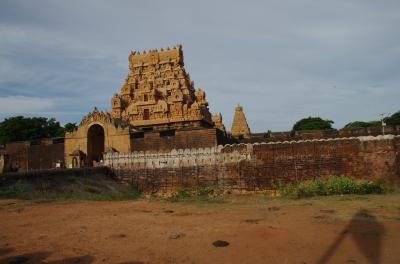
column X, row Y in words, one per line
column 239, row 166
column 17, row 153
column 45, row 156
column 194, row 138
column 23, row 156
column 260, row 166
column 317, row 134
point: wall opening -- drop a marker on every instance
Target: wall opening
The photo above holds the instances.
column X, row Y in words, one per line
column 146, row 114
column 137, row 135
column 95, row 144
column 167, row 133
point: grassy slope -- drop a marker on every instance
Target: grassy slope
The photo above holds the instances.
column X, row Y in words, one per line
column 97, row 187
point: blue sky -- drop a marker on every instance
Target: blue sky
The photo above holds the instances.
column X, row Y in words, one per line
column 281, row 60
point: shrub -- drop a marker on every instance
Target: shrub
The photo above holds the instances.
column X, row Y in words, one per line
column 331, row 186
column 180, row 195
column 200, row 194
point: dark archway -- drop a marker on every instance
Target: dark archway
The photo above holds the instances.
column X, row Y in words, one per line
column 95, row 144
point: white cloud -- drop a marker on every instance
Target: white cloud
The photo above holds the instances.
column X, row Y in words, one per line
column 11, row 105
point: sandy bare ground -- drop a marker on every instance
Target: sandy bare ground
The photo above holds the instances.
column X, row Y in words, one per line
column 356, row 229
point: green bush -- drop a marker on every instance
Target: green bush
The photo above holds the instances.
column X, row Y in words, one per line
column 180, row 195
column 200, row 194
column 331, row 186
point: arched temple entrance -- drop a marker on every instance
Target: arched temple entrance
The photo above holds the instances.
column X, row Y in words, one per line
column 95, row 144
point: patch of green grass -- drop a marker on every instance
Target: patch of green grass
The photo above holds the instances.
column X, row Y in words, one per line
column 70, row 190
column 205, row 195
column 128, row 194
column 18, row 188
column 180, row 195
column 334, row 185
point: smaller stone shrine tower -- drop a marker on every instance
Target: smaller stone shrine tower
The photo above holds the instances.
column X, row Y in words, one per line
column 240, row 128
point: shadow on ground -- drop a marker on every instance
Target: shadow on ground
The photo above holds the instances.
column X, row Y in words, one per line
column 366, row 233
column 39, row 257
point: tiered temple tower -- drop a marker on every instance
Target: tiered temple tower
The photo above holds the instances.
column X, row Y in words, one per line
column 158, row 93
column 240, row 128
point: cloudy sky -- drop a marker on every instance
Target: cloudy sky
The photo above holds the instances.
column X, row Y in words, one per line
column 282, row 60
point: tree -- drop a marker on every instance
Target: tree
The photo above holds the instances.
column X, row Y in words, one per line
column 362, row 124
column 69, row 127
column 393, row 120
column 312, row 123
column 21, row 128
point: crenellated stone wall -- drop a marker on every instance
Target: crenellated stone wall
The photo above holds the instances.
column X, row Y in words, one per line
column 261, row 165
column 179, row 157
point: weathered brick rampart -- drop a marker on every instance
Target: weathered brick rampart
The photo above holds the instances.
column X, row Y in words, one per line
column 260, row 166
column 33, row 155
column 196, row 138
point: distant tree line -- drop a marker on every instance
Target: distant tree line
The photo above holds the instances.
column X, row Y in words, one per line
column 21, row 128
column 317, row 123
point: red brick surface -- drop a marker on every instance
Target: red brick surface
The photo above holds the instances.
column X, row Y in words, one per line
column 280, row 163
column 194, row 138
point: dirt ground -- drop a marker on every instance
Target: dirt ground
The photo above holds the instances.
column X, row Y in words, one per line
column 338, row 229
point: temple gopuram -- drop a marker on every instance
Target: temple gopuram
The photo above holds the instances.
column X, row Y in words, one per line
column 158, row 93
column 157, row 108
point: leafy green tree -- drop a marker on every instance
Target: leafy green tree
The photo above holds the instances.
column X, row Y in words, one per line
column 393, row 120
column 21, row 128
column 362, row 124
column 312, row 123
column 69, row 127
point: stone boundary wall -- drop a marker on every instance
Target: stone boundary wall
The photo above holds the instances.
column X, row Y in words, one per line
column 179, row 157
column 260, row 166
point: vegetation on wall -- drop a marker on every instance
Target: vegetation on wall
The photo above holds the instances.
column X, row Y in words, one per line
column 21, row 128
column 312, row 123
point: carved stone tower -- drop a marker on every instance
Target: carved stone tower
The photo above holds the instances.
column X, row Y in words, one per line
column 240, row 128
column 158, row 93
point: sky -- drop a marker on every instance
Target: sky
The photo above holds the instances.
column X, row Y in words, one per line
column 282, row 60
